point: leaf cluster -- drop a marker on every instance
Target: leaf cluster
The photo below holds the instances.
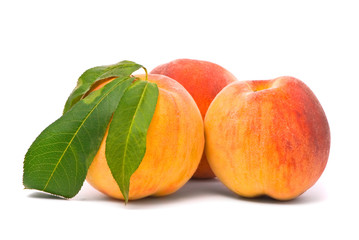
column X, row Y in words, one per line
column 58, row 160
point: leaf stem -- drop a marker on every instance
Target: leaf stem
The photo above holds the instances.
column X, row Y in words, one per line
column 145, row 72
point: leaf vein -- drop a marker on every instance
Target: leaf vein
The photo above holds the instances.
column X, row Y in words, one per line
column 78, row 129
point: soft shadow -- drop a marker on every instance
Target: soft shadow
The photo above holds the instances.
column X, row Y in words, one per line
column 193, row 190
column 314, row 195
column 43, row 195
column 212, row 188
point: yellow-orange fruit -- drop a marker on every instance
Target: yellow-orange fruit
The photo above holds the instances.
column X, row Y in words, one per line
column 203, row 80
column 267, row 138
column 175, row 142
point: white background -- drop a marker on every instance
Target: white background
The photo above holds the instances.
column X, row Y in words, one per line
column 46, row 45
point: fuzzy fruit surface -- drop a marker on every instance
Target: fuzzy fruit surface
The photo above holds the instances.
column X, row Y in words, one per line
column 203, row 80
column 174, row 146
column 267, row 138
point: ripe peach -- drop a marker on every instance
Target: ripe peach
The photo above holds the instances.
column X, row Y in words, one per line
column 267, row 138
column 175, row 142
column 203, row 80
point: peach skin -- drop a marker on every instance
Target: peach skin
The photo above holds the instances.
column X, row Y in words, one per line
column 175, row 142
column 267, row 138
column 203, row 80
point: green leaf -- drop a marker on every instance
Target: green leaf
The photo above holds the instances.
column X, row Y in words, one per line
column 90, row 76
column 58, row 160
column 126, row 140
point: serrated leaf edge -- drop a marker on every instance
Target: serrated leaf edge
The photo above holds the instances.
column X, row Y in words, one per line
column 82, row 123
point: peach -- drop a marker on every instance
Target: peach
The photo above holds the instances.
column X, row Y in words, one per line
column 175, row 142
column 203, row 80
column 267, row 138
